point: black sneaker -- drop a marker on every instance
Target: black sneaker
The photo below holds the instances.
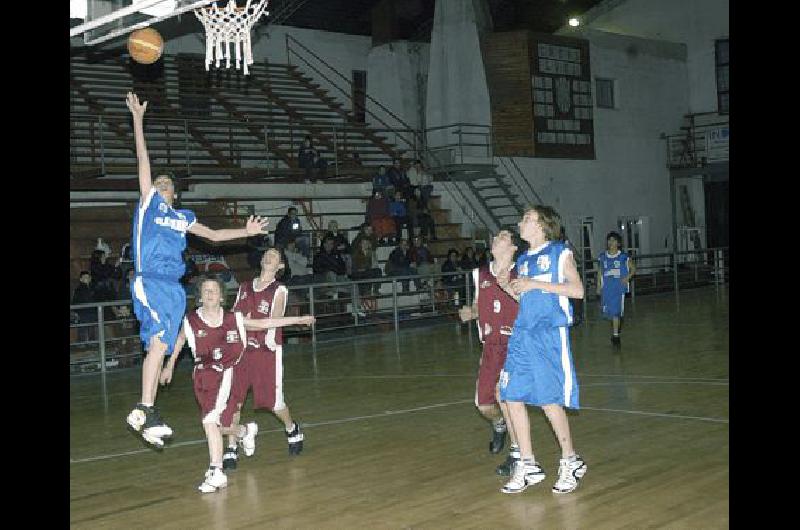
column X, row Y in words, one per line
column 295, row 440
column 147, row 422
column 230, row 458
column 498, row 440
column 615, row 340
column 504, row 469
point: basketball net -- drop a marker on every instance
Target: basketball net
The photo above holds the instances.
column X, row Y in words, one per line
column 230, row 25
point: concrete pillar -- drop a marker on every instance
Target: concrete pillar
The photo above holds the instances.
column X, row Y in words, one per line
column 457, row 89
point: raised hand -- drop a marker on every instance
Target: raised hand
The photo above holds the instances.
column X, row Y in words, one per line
column 136, row 108
column 256, row 225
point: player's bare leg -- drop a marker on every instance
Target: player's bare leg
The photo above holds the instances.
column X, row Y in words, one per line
column 294, row 435
column 499, row 429
column 214, row 478
column 505, row 468
column 244, row 434
column 526, row 471
column 144, row 418
column 571, row 466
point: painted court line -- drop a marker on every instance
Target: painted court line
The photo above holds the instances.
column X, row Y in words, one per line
column 382, row 415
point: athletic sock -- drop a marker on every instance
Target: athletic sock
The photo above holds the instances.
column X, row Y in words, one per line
column 292, row 429
column 514, row 451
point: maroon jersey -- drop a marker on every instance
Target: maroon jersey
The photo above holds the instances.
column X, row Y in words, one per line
column 497, row 310
column 218, row 347
column 261, row 304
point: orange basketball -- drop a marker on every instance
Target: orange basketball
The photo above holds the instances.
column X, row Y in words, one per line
column 145, row 45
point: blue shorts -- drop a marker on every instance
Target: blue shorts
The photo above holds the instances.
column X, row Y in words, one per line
column 612, row 301
column 159, row 305
column 538, row 369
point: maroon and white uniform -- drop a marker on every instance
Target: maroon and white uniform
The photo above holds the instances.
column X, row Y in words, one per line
column 262, row 364
column 216, row 350
column 497, row 311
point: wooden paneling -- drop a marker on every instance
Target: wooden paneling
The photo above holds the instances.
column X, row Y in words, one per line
column 508, row 76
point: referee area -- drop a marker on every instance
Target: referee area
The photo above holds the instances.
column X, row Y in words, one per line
column 393, row 439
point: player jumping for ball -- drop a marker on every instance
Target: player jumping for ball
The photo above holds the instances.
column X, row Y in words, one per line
column 159, row 301
column 539, row 369
column 616, row 271
column 217, row 340
column 495, row 310
column 262, row 365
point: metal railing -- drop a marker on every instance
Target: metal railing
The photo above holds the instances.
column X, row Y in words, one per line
column 690, row 148
column 110, row 338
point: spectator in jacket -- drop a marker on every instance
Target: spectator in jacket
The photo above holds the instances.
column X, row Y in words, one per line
column 400, row 216
column 399, row 264
column 329, row 266
column 379, row 216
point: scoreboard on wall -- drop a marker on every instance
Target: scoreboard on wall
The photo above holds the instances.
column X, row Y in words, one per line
column 562, row 97
column 541, row 94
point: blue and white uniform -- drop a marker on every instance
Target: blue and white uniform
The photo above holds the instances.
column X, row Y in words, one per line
column 539, row 369
column 159, row 238
column 612, row 295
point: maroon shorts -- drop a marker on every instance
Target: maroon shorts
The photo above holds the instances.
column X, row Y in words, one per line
column 492, row 361
column 262, row 370
column 212, row 390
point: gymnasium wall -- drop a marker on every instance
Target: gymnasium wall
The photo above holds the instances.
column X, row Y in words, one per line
column 695, row 23
column 629, row 175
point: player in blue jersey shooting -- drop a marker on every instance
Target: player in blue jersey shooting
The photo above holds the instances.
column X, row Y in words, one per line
column 616, row 271
column 538, row 369
column 159, row 301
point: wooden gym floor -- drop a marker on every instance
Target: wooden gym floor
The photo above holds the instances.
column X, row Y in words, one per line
column 393, row 439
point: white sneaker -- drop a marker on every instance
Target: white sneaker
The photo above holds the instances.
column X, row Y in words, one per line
column 569, row 473
column 215, row 479
column 248, row 441
column 136, row 418
column 524, row 475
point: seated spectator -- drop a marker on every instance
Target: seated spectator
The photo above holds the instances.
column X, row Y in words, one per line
column 289, row 228
column 483, row 257
column 101, row 271
column 420, row 179
column 398, row 178
column 420, row 215
column 379, row 217
column 308, row 158
column 365, row 232
column 329, row 266
column 399, row 264
column 400, row 216
column 84, row 294
column 468, row 261
column 364, row 267
column 422, row 259
column 298, row 270
column 380, row 182
column 453, row 282
column 341, row 245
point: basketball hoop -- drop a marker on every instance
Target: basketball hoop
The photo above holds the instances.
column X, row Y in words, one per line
column 230, row 25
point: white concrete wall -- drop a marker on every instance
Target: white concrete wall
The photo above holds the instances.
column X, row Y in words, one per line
column 695, row 23
column 629, row 176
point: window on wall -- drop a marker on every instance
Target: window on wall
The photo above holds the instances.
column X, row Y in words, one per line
column 604, row 90
column 723, row 63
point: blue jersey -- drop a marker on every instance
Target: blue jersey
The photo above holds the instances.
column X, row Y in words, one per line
column 613, row 269
column 159, row 237
column 536, row 307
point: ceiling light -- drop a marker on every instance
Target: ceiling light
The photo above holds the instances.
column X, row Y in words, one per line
column 574, row 22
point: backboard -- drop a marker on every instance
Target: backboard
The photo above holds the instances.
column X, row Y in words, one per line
column 98, row 21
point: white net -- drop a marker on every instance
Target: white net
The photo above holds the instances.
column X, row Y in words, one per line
column 228, row 26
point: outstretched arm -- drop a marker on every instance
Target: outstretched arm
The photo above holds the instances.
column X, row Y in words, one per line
column 254, row 324
column 137, row 110
column 255, row 225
